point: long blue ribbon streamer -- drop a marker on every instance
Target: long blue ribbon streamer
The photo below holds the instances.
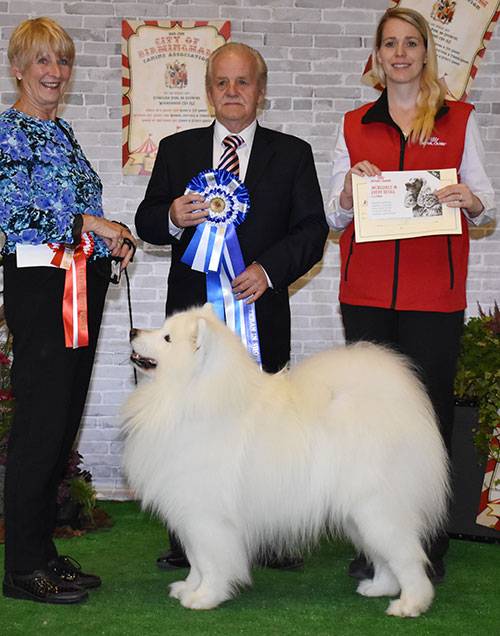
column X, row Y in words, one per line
column 215, row 250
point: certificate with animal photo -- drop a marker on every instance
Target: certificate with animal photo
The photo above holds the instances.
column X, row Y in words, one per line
column 398, row 205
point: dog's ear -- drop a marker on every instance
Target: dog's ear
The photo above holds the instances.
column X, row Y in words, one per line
column 201, row 333
column 208, row 309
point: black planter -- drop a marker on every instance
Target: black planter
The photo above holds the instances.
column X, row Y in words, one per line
column 467, row 480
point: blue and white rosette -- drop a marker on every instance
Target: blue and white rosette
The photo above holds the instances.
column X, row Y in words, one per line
column 214, row 249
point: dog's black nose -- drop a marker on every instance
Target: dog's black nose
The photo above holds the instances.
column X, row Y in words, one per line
column 133, row 333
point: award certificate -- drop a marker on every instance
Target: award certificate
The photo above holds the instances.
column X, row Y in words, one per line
column 398, row 205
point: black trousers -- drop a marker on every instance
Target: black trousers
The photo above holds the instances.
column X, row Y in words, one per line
column 432, row 341
column 50, row 384
column 430, row 338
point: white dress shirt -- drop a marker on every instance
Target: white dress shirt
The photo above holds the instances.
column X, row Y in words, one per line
column 471, row 172
column 243, row 152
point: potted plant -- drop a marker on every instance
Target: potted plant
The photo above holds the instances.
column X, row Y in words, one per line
column 76, row 496
column 478, row 376
column 475, row 447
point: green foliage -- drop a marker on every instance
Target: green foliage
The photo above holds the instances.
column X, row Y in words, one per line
column 84, row 492
column 76, row 484
column 478, row 375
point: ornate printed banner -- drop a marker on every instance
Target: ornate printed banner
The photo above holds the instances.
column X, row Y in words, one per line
column 163, row 83
column 461, row 30
column 489, row 506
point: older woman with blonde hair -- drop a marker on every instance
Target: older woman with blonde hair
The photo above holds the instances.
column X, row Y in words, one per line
column 56, row 260
column 410, row 293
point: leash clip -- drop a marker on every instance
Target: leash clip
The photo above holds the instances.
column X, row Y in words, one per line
column 116, row 271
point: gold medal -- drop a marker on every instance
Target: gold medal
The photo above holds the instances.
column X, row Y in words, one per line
column 217, row 205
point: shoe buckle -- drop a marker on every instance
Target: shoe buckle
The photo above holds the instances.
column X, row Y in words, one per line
column 43, row 587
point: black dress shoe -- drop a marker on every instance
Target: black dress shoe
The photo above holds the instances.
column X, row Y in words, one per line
column 70, row 571
column 42, row 586
column 436, row 571
column 359, row 568
column 174, row 559
column 283, row 563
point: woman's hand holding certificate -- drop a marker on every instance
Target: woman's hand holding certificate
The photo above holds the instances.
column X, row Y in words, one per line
column 459, row 195
column 406, row 204
column 362, row 168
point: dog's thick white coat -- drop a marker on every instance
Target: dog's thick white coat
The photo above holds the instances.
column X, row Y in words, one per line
column 236, row 461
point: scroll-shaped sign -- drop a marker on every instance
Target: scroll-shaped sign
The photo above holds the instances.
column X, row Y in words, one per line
column 163, row 83
column 462, row 30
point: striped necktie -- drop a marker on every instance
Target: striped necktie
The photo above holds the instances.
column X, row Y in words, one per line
column 229, row 159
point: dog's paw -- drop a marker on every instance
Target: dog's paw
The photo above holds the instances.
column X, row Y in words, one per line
column 177, row 589
column 370, row 587
column 203, row 598
column 405, row 609
column 199, row 604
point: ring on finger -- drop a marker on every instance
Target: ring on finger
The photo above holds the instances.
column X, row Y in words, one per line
column 460, row 197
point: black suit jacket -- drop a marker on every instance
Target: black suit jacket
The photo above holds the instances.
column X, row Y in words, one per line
column 285, row 230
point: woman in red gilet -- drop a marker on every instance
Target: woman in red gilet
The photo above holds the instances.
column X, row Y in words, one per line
column 410, row 293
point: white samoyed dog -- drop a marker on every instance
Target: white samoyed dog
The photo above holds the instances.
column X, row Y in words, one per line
column 236, row 461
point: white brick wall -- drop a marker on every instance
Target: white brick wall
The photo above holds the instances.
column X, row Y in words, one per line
column 316, row 51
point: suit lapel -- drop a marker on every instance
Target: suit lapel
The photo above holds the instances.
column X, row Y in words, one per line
column 261, row 155
column 203, row 154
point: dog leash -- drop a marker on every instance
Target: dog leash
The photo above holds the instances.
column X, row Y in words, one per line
column 116, row 276
column 130, row 317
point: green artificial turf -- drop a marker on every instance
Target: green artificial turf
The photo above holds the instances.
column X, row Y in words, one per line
column 320, row 599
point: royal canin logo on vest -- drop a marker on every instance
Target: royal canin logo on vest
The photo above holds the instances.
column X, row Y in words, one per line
column 434, row 141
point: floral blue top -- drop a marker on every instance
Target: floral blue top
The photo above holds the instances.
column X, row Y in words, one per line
column 45, row 179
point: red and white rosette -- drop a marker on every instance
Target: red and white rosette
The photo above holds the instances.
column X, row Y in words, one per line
column 74, row 309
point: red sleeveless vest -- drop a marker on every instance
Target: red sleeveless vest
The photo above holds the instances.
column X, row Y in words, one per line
column 421, row 274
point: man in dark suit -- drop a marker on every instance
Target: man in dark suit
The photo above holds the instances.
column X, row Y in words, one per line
column 284, row 233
